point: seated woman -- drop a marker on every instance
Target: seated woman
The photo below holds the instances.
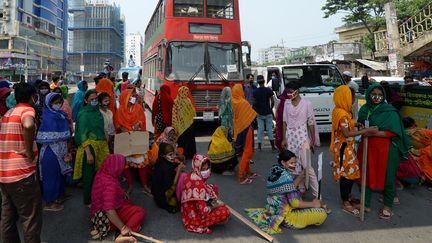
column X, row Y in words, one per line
column 166, row 173
column 109, row 209
column 200, row 204
column 221, row 153
column 284, row 204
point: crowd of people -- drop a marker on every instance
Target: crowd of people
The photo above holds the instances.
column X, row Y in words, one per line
column 46, row 144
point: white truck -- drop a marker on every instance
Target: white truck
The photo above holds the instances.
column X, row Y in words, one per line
column 318, row 84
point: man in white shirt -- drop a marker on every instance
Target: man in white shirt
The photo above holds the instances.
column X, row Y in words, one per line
column 347, row 76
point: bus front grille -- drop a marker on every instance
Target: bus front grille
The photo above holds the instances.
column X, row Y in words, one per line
column 205, row 99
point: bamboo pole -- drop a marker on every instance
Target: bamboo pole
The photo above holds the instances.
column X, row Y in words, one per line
column 146, row 238
column 363, row 181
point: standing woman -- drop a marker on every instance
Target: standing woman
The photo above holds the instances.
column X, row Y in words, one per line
column 182, row 121
column 131, row 117
column 54, row 134
column 106, row 86
column 244, row 115
column 300, row 131
column 162, row 110
column 226, row 114
column 386, row 146
column 91, row 142
column 346, row 168
column 78, row 99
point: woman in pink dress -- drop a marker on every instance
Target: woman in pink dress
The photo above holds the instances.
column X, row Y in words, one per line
column 301, row 132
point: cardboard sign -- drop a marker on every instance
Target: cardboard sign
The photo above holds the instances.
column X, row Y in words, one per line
column 131, row 143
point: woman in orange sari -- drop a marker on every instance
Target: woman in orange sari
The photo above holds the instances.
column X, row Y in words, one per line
column 244, row 115
column 131, row 117
column 106, row 86
column 422, row 143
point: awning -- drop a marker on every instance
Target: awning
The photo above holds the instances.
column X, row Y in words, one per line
column 377, row 66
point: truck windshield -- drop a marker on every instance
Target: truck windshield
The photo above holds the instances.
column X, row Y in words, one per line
column 313, row 78
column 198, row 61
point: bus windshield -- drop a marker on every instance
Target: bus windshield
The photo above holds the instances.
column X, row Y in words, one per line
column 196, row 61
column 313, row 78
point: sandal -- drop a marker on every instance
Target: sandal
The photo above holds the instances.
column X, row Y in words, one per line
column 54, row 207
column 245, row 181
column 254, row 176
column 349, row 209
column 385, row 214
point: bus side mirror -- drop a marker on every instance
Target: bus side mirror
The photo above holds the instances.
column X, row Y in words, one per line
column 275, row 85
column 248, row 59
column 248, row 53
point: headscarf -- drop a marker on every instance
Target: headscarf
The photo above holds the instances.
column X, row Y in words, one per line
column 4, row 94
column 65, row 92
column 386, row 118
column 54, row 132
column 280, row 181
column 78, row 100
column 244, row 115
column 4, row 84
column 220, row 149
column 183, row 113
column 342, row 99
column 107, row 193
column 195, row 187
column 226, row 110
column 106, row 86
column 89, row 124
column 127, row 116
column 54, row 126
column 163, row 105
column 279, row 118
column 168, row 136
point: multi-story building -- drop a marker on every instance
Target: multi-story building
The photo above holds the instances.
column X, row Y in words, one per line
column 135, row 47
column 272, row 55
column 96, row 35
column 33, row 38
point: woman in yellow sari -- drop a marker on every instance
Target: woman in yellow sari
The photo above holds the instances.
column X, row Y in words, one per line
column 183, row 115
column 221, row 153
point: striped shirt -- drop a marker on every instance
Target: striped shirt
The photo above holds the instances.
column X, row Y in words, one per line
column 14, row 167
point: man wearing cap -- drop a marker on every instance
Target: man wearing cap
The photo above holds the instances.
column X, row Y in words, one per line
column 263, row 104
column 347, row 76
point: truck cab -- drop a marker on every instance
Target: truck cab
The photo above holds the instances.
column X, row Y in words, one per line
column 318, row 84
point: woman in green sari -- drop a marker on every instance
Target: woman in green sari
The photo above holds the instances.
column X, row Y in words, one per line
column 91, row 142
column 385, row 147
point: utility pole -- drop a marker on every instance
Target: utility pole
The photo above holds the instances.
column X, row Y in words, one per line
column 396, row 60
column 285, row 55
column 26, row 62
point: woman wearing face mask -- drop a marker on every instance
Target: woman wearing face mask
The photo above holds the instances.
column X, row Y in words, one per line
column 300, row 131
column 104, row 106
column 200, row 204
column 65, row 106
column 106, row 86
column 78, row 99
column 91, row 142
column 285, row 206
column 182, row 120
column 385, row 148
column 54, row 134
column 131, row 117
column 166, row 174
column 44, row 90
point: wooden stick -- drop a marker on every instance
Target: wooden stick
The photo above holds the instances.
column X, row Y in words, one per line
column 363, row 181
column 146, row 238
column 266, row 236
column 308, row 166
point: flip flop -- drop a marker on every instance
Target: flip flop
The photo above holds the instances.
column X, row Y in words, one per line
column 254, row 175
column 246, row 181
column 354, row 212
column 53, row 208
column 385, row 214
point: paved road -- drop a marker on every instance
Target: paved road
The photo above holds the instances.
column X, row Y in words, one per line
column 412, row 221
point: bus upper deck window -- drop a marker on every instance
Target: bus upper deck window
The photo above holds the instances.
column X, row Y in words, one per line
column 191, row 8
column 220, row 9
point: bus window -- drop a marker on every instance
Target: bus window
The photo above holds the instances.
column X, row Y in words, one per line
column 225, row 60
column 185, row 60
column 220, row 9
column 191, row 8
column 313, row 78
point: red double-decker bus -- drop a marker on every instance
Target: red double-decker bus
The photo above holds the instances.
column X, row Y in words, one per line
column 194, row 43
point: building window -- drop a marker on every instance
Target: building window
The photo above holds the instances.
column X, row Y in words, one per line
column 220, row 9
column 28, row 20
column 4, row 44
column 192, row 8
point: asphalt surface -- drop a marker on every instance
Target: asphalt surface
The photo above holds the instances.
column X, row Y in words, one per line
column 412, row 221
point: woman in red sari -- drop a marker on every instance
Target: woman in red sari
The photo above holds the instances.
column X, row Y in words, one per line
column 162, row 110
column 200, row 204
column 131, row 117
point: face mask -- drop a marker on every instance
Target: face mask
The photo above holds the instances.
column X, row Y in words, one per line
column 377, row 98
column 205, row 174
column 105, row 105
column 132, row 100
column 56, row 107
column 292, row 95
column 94, row 103
column 44, row 91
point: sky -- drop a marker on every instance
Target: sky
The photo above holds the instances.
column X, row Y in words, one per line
column 295, row 23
